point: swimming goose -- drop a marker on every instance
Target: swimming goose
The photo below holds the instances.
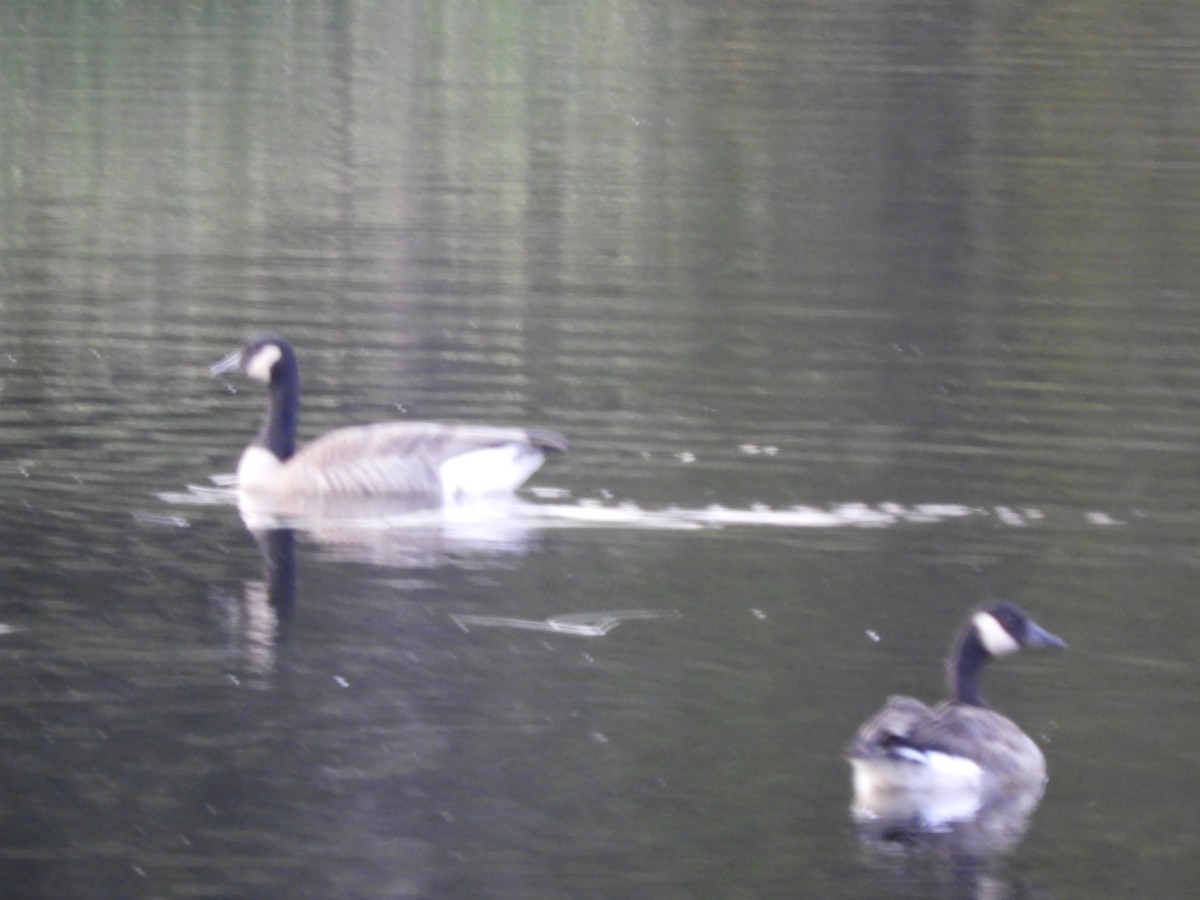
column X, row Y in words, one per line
column 946, row 763
column 414, row 460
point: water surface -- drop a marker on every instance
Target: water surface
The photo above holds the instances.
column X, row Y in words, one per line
column 855, row 317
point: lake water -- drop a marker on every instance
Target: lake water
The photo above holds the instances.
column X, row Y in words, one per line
column 857, row 316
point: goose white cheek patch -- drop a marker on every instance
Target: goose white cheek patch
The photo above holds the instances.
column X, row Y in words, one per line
column 995, row 637
column 260, row 364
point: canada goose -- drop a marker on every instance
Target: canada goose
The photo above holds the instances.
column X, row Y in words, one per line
column 946, row 763
column 414, row 460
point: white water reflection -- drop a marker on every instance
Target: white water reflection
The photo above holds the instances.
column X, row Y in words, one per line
column 251, row 624
column 506, row 521
column 853, row 515
column 588, row 624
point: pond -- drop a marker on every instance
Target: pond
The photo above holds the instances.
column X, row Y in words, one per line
column 856, row 317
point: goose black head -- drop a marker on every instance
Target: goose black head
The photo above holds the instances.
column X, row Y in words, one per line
column 1005, row 628
column 992, row 632
column 267, row 358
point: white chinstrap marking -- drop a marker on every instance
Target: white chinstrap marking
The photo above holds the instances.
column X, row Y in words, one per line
column 995, row 637
column 259, row 365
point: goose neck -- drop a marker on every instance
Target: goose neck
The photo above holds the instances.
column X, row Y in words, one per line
column 964, row 667
column 278, row 432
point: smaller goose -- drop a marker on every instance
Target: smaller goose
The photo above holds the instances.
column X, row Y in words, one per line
column 413, row 460
column 946, row 763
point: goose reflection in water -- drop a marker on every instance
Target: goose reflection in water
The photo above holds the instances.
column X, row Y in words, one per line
column 960, row 859
column 255, row 622
column 393, row 534
column 404, row 533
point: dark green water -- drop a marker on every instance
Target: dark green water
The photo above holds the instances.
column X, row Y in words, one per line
column 856, row 317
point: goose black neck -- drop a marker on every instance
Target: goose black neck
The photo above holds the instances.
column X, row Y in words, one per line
column 278, row 432
column 964, row 667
